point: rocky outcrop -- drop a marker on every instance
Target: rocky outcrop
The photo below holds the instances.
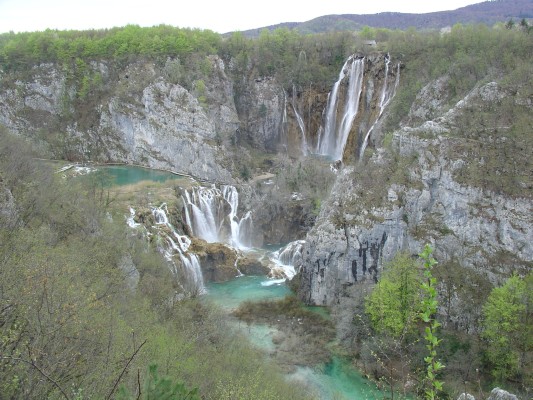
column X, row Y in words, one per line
column 138, row 116
column 500, row 394
column 423, row 189
column 218, row 261
column 221, row 263
column 253, row 266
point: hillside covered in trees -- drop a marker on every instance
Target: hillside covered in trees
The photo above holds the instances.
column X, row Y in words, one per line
column 486, row 12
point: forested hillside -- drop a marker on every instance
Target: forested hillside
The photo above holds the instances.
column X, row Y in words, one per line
column 77, row 324
column 486, row 12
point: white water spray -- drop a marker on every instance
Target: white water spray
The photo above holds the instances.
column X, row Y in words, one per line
column 288, row 259
column 333, row 137
column 189, row 261
column 211, row 213
column 300, row 123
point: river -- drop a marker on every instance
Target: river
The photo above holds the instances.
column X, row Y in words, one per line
column 335, row 380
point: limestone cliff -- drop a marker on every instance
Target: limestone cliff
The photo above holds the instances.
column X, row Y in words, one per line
column 135, row 114
column 438, row 179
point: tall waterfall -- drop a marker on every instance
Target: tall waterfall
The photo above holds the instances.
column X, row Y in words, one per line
column 386, row 96
column 300, row 122
column 333, row 138
column 177, row 244
column 211, row 213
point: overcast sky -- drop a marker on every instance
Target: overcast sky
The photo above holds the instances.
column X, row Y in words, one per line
column 218, row 15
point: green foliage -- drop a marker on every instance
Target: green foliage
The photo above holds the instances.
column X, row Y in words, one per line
column 393, row 305
column 508, row 330
column 427, row 315
column 160, row 388
column 72, row 318
column 245, row 172
column 468, row 54
column 22, row 50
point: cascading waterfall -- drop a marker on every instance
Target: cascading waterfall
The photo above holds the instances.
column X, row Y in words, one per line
column 386, row 97
column 130, row 220
column 333, row 138
column 300, row 123
column 189, row 261
column 211, row 213
column 288, row 259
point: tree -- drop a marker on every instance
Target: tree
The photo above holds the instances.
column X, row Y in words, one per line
column 427, row 315
column 393, row 308
column 508, row 328
column 393, row 304
column 524, row 25
column 157, row 387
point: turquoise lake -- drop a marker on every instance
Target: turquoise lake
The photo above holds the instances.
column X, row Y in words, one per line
column 336, row 380
column 126, row 175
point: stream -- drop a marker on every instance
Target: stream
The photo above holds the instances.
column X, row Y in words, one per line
column 335, row 380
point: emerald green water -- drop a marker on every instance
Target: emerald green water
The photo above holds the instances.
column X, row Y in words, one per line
column 229, row 295
column 336, row 380
column 120, row 175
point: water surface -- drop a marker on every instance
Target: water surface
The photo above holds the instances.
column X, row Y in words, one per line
column 121, row 175
column 229, row 295
column 336, row 380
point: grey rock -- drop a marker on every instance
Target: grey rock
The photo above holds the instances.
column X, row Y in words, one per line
column 142, row 119
column 500, row 394
column 469, row 226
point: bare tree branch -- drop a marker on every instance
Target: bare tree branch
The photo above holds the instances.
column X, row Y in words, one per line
column 32, row 363
column 124, row 370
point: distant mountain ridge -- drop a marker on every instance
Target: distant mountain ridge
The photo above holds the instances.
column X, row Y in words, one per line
column 487, row 12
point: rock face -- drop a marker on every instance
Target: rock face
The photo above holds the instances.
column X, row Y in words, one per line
column 218, row 261
column 500, row 394
column 340, row 253
column 137, row 116
column 427, row 187
column 260, row 107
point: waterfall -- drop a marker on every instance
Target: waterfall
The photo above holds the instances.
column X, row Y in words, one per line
column 189, row 261
column 300, row 123
column 130, row 220
column 289, row 258
column 386, row 97
column 211, row 213
column 284, row 125
column 333, row 138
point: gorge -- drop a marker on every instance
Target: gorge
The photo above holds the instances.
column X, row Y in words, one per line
column 317, row 172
